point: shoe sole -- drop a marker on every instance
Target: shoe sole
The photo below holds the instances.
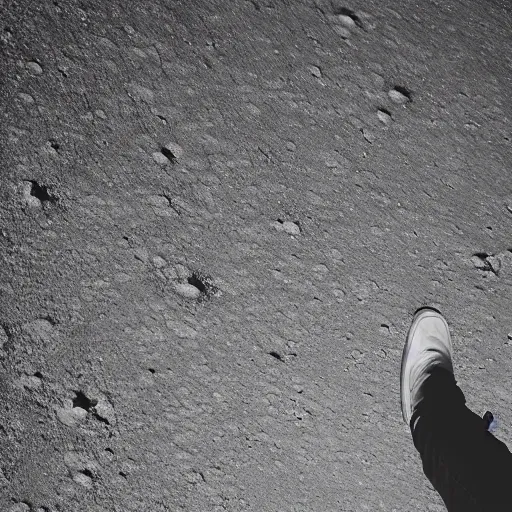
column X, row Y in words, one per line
column 419, row 312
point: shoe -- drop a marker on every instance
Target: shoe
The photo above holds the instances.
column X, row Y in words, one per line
column 428, row 346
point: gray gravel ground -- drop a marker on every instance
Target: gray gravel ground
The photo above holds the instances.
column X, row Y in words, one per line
column 217, row 218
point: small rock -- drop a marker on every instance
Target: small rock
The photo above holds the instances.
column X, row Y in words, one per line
column 398, row 97
column 28, row 198
column 384, row 116
column 253, row 109
column 290, row 146
column 315, row 71
column 368, row 136
column 141, row 93
column 34, row 67
column 339, row 294
column 159, row 262
column 159, row 200
column 83, row 479
column 291, row 228
column 104, row 410
column 175, row 149
column 347, row 21
column 29, row 381
column 336, row 255
column 384, row 329
column 40, row 329
column 187, row 290
column 71, row 417
column 331, row 163
column 479, row 263
column 100, row 113
column 495, row 263
column 160, row 158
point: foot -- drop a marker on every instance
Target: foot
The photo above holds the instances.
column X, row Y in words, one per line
column 428, row 345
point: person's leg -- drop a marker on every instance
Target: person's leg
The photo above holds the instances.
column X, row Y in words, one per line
column 466, row 464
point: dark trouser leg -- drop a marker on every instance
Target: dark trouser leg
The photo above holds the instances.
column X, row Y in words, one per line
column 466, row 464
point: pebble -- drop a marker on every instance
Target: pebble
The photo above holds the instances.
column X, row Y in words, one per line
column 159, row 262
column 253, row 109
column 479, row 263
column 495, row 263
column 368, row 135
column 321, row 268
column 347, row 21
column 28, row 198
column 105, row 411
column 39, row 329
column 83, row 479
column 315, row 71
column 187, row 290
column 159, row 157
column 384, row 117
column 339, row 294
column 175, row 149
column 291, row 228
column 34, row 67
column 398, row 97
column 71, row 417
column 29, row 381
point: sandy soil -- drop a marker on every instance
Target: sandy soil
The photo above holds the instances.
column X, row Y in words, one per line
column 217, row 218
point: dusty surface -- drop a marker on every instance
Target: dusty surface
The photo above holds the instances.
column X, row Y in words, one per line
column 217, row 219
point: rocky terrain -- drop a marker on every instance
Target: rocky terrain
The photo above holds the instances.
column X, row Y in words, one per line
column 216, row 221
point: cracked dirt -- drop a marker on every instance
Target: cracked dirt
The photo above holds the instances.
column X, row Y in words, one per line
column 217, row 219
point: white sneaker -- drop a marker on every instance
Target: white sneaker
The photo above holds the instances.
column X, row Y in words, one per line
column 428, row 345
